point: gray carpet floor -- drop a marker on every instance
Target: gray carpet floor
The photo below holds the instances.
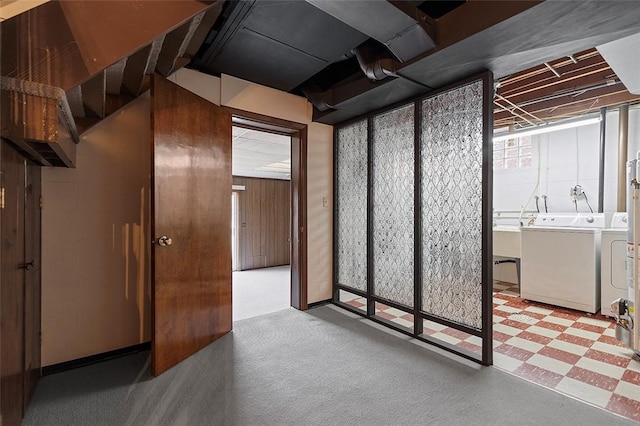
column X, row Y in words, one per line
column 261, row 291
column 321, row 367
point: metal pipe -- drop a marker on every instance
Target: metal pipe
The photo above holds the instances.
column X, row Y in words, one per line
column 516, row 106
column 571, row 92
column 552, row 69
column 635, row 343
column 514, row 113
column 603, row 129
column 623, row 142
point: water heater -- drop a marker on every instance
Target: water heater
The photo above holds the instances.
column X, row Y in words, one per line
column 627, row 316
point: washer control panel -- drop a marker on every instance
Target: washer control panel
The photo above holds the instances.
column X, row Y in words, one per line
column 571, row 220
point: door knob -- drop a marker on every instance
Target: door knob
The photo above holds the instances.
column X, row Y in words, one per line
column 27, row 266
column 165, row 241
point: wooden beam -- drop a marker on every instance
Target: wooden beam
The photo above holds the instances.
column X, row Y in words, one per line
column 475, row 16
column 588, row 57
column 74, row 97
column 135, row 70
column 582, row 106
column 65, row 43
column 114, row 75
column 30, row 152
column 93, row 95
column 567, row 84
column 26, row 116
column 38, row 122
column 174, row 46
column 156, row 47
column 201, row 33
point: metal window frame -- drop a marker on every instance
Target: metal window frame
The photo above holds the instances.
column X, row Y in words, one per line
column 486, row 332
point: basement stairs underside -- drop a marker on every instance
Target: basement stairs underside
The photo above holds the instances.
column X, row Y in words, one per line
column 68, row 65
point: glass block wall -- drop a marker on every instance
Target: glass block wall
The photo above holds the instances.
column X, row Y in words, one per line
column 351, row 201
column 414, row 226
column 451, row 183
column 393, row 205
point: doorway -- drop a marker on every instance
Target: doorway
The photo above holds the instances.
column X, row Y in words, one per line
column 261, row 221
column 298, row 193
column 20, row 289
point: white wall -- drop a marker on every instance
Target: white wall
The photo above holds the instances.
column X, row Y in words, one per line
column 566, row 158
column 247, row 96
column 95, row 234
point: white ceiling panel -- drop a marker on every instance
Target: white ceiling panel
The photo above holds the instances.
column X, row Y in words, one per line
column 261, row 154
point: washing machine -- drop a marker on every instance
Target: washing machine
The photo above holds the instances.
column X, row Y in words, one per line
column 613, row 282
column 560, row 263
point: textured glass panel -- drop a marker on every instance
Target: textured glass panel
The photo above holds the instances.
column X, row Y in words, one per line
column 352, row 205
column 393, row 181
column 451, row 178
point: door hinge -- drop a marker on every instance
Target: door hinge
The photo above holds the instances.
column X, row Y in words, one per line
column 1, row 198
column 41, row 202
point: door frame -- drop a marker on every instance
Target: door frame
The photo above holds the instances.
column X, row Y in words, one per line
column 235, row 234
column 299, row 137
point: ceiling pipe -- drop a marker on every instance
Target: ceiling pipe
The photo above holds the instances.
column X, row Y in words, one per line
column 316, row 96
column 603, row 133
column 552, row 69
column 623, row 144
column 375, row 63
column 572, row 92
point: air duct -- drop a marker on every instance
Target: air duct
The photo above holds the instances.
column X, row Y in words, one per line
column 316, row 96
column 405, row 36
column 375, row 61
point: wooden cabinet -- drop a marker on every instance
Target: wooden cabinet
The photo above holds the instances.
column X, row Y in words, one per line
column 19, row 284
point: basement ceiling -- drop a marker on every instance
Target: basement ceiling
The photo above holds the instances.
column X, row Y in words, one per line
column 348, row 57
column 353, row 57
column 570, row 86
column 260, row 154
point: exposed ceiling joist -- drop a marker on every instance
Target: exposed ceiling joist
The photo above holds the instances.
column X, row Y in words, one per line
column 586, row 84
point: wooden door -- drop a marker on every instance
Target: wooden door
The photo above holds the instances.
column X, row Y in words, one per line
column 12, row 287
column 32, row 256
column 191, row 207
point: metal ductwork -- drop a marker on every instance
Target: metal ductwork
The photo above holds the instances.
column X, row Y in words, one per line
column 375, row 61
column 405, row 36
column 316, row 96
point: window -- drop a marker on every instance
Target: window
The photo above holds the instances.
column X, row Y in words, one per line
column 512, row 153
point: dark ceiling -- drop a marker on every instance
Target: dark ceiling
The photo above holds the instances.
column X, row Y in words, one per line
column 349, row 57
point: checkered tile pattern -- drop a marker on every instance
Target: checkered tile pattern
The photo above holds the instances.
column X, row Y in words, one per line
column 569, row 351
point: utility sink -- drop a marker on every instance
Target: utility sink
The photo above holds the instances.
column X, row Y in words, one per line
column 506, row 241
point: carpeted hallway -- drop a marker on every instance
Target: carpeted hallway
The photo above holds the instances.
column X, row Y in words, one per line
column 320, row 367
column 261, row 291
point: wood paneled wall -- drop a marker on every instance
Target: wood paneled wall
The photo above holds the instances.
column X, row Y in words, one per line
column 264, row 223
